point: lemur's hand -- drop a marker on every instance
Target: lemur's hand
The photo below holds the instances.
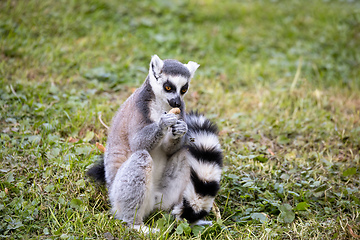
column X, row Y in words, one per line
column 167, row 120
column 179, row 129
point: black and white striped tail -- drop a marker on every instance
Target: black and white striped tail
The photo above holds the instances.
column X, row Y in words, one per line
column 205, row 159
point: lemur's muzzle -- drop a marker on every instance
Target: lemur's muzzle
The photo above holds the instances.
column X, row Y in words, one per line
column 175, row 102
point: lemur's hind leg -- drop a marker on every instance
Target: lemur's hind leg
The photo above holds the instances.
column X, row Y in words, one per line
column 174, row 181
column 131, row 192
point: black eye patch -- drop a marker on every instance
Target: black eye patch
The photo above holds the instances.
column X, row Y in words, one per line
column 169, row 87
column 184, row 88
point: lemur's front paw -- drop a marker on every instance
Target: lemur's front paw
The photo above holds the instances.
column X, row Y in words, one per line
column 167, row 120
column 179, row 129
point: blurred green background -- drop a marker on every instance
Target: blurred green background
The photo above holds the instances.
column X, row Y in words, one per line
column 251, row 42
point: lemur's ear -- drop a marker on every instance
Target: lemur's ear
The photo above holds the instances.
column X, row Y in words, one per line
column 192, row 66
column 156, row 66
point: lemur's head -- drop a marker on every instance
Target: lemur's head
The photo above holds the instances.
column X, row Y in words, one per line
column 170, row 79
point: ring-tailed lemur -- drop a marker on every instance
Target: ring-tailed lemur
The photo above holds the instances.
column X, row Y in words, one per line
column 158, row 160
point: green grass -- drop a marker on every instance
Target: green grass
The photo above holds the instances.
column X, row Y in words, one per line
column 281, row 79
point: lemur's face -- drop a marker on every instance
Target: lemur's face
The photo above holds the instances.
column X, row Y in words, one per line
column 174, row 89
column 170, row 79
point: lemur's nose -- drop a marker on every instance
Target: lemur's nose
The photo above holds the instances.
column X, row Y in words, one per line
column 175, row 102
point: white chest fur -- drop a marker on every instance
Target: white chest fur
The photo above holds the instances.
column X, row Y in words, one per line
column 159, row 162
column 157, row 108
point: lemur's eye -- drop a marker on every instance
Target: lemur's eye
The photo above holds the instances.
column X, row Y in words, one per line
column 184, row 89
column 169, row 86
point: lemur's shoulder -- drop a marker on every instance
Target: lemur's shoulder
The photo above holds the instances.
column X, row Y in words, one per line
column 134, row 111
column 143, row 97
column 125, row 124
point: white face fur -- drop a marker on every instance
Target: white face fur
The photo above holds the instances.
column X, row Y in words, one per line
column 169, row 89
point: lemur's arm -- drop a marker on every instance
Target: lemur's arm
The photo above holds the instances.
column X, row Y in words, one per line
column 175, row 139
column 151, row 135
